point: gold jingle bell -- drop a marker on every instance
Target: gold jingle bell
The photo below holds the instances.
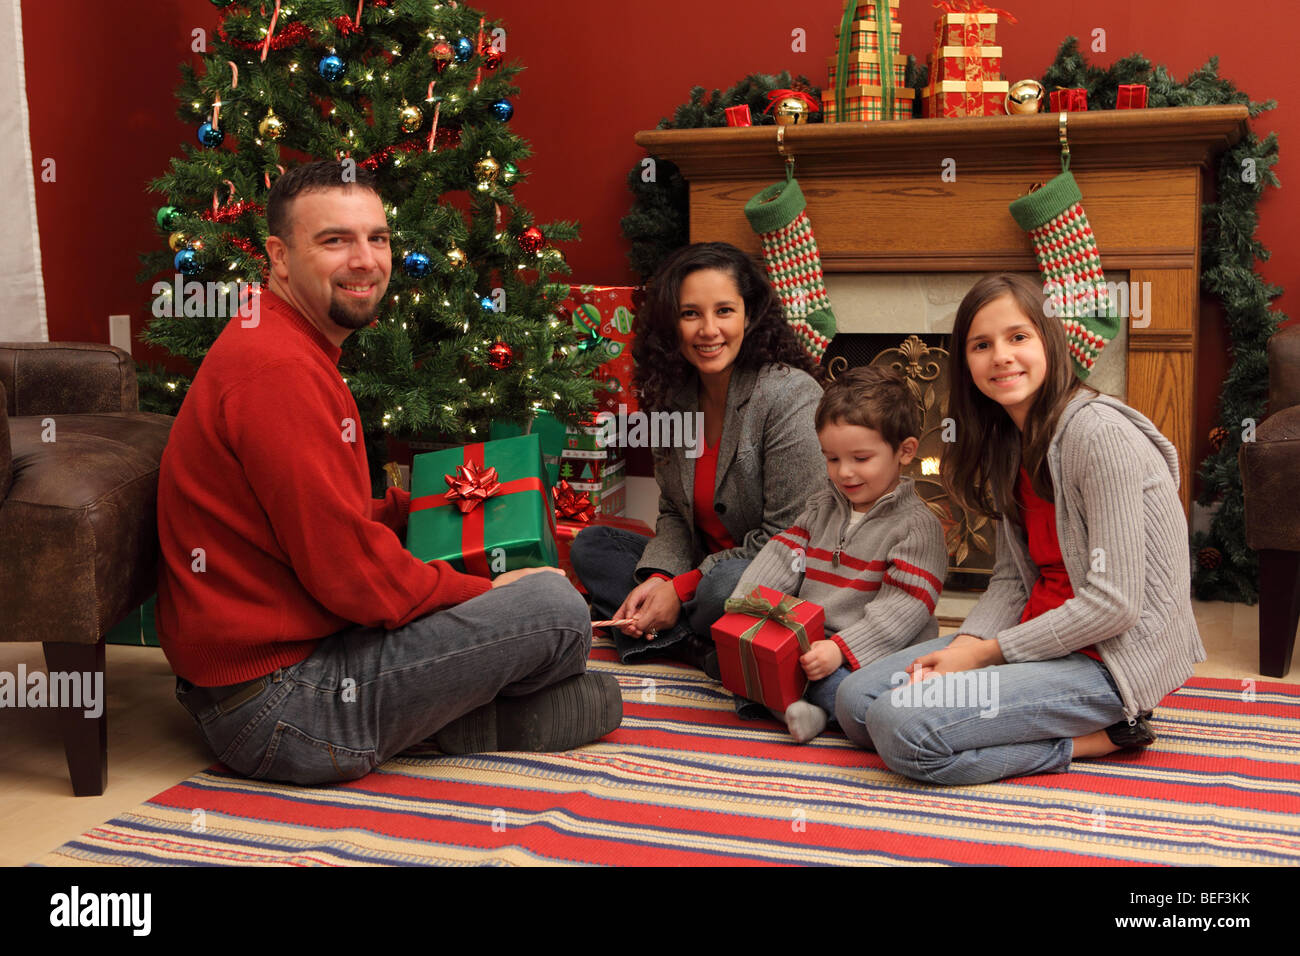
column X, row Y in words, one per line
column 271, row 127
column 410, row 117
column 486, row 169
column 456, row 258
column 791, row 111
column 177, row 241
column 1025, row 96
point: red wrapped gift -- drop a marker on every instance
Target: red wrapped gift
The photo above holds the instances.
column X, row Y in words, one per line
column 738, row 115
column 566, row 531
column 1132, row 96
column 1069, row 101
column 606, row 317
column 959, row 63
column 760, row 640
column 948, row 98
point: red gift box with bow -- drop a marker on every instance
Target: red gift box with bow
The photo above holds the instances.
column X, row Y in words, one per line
column 760, row 640
column 1069, row 101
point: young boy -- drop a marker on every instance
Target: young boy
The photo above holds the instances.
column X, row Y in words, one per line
column 867, row 548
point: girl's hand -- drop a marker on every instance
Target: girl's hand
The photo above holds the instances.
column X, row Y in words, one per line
column 961, row 655
column 659, row 610
column 633, row 602
column 822, row 660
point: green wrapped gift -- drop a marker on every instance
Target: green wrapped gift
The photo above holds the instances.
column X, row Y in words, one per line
column 483, row 508
column 137, row 628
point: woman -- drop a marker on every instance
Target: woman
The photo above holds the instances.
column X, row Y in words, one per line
column 711, row 343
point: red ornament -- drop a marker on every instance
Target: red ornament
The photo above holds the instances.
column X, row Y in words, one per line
column 571, row 505
column 491, row 58
column 500, row 356
column 470, row 486
column 531, row 239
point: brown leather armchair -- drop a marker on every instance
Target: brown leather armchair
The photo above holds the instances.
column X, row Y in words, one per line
column 78, row 520
column 1270, row 477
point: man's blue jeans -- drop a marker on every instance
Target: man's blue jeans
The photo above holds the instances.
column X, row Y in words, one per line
column 605, row 560
column 1006, row 721
column 366, row 694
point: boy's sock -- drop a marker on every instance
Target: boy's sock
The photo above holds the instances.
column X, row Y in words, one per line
column 804, row 720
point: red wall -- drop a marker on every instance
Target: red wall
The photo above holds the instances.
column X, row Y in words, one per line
column 100, row 88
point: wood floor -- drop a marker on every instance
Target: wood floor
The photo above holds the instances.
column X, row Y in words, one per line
column 153, row 744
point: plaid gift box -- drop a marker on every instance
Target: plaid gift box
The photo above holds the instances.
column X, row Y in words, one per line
column 864, row 37
column 960, row 63
column 760, row 640
column 1131, row 96
column 864, row 70
column 516, row 523
column 865, row 103
column 949, row 98
column 610, row 312
column 966, row 29
column 1069, row 101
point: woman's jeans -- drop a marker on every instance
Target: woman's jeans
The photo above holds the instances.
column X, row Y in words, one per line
column 976, row 726
column 366, row 694
column 605, row 560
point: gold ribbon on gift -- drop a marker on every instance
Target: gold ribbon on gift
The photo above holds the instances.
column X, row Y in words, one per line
column 782, row 612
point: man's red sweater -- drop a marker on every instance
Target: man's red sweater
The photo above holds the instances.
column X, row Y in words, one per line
column 270, row 539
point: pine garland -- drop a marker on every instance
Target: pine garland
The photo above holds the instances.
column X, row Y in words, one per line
column 1225, row 569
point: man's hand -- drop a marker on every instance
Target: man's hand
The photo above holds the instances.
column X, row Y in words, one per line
column 501, row 580
column 965, row 653
column 653, row 604
column 824, row 659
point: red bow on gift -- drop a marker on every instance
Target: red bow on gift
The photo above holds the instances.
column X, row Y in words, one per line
column 471, row 486
column 777, row 95
column 572, row 505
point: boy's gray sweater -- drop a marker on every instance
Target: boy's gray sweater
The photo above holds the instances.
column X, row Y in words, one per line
column 1123, row 538
column 878, row 581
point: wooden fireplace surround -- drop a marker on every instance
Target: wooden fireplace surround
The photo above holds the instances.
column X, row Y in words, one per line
column 878, row 203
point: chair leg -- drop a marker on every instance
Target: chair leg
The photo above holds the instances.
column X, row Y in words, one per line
column 85, row 739
column 1279, row 610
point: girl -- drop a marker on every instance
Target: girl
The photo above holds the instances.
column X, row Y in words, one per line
column 711, row 341
column 1087, row 622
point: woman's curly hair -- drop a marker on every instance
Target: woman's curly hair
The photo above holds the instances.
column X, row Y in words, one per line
column 660, row 365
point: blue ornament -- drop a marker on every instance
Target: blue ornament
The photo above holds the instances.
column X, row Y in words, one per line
column 210, row 136
column 416, row 265
column 464, row 49
column 187, row 262
column 502, row 110
column 331, row 67
column 486, row 304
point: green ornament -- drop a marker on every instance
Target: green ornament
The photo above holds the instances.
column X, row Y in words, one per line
column 510, row 172
column 168, row 217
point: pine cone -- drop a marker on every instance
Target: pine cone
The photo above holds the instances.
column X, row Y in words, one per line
column 1209, row 558
column 1218, row 435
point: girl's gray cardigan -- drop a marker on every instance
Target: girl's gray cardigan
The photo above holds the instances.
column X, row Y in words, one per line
column 1123, row 538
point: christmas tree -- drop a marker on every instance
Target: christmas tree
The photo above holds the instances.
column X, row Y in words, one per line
column 418, row 91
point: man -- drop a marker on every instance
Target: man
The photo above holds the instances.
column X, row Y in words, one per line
column 309, row 645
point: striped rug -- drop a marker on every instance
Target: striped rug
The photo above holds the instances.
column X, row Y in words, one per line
column 684, row 782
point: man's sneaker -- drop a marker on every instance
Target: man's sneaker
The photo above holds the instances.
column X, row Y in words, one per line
column 574, row 712
column 1136, row 735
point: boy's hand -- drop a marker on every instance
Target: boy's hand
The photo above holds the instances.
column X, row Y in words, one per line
column 824, row 659
column 501, row 580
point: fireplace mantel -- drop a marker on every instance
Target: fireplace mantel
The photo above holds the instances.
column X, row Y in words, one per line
column 880, row 202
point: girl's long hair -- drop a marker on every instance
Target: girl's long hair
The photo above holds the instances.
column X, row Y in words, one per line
column 660, row 366
column 980, row 468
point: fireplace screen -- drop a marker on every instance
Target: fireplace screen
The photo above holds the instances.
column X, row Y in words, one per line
column 923, row 360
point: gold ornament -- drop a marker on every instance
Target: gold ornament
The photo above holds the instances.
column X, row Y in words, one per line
column 791, row 111
column 1025, row 96
column 178, row 241
column 486, row 170
column 271, row 127
column 410, row 117
column 456, row 258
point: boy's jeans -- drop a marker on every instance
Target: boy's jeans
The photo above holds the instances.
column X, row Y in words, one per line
column 366, row 694
column 1031, row 711
column 605, row 560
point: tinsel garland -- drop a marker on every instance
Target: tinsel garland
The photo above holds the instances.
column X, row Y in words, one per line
column 1228, row 255
column 288, row 35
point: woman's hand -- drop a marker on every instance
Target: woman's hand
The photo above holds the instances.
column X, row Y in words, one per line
column 965, row 653
column 651, row 608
